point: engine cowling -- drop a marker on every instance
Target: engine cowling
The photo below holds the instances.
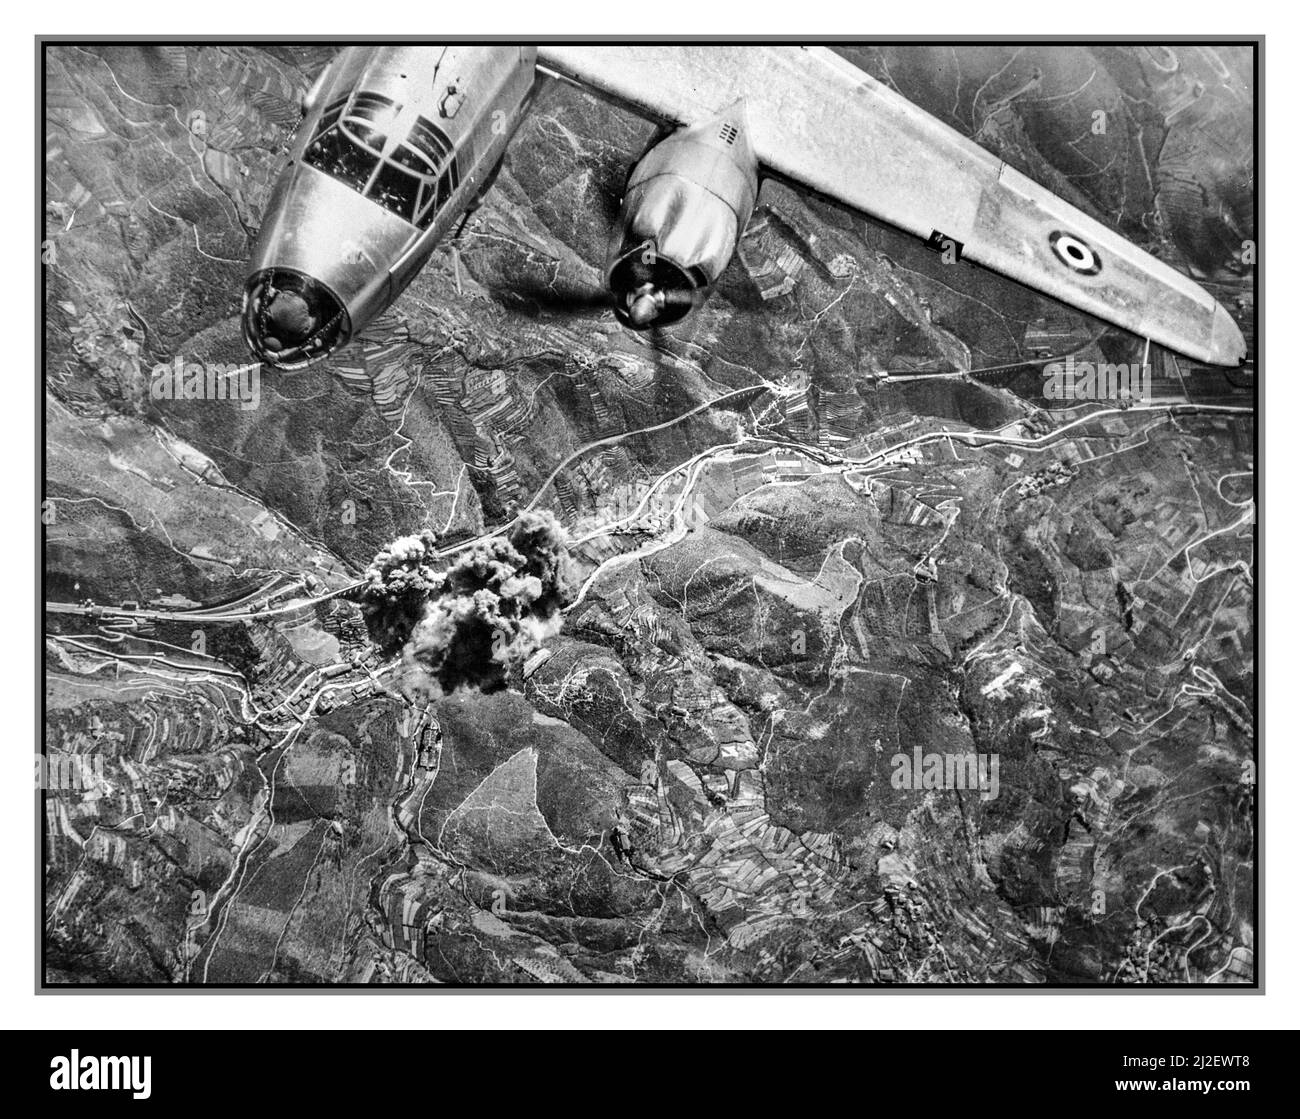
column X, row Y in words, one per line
column 686, row 204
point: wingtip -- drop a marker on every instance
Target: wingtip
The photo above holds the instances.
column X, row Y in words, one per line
column 1227, row 344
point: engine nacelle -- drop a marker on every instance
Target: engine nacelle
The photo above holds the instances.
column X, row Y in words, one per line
column 686, row 204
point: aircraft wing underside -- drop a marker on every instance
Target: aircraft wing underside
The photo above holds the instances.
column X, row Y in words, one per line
column 819, row 122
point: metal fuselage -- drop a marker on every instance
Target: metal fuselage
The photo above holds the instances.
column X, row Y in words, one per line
column 395, row 145
column 398, row 142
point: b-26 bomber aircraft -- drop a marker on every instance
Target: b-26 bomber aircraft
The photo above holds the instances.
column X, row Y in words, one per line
column 399, row 143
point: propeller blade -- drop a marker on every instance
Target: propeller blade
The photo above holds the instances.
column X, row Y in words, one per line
column 543, row 298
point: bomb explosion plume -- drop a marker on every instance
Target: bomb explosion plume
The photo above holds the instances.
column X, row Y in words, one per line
column 398, row 584
column 467, row 625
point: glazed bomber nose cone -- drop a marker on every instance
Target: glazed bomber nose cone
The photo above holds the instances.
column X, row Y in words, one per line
column 291, row 320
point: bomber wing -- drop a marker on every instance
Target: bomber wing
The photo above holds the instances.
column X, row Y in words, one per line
column 821, row 123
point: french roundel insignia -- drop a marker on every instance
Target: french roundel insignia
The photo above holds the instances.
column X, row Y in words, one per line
column 1075, row 253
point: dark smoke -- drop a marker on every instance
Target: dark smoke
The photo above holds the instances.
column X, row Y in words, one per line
column 467, row 626
column 398, row 584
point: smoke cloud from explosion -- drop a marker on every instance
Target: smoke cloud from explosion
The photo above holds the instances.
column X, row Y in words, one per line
column 468, row 625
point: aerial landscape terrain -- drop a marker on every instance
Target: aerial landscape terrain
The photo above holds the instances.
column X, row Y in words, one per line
column 784, row 558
